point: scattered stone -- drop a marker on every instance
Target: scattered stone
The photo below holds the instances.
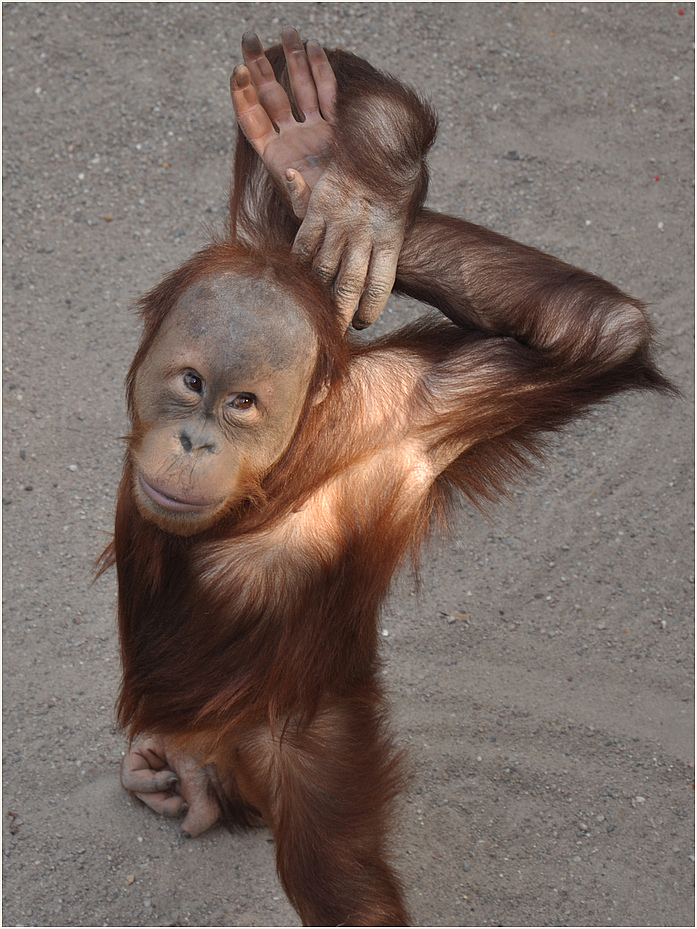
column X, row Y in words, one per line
column 454, row 616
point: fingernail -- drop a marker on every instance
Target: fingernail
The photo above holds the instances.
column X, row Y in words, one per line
column 252, row 42
column 172, row 780
column 187, row 835
column 240, row 76
column 184, row 808
column 292, row 37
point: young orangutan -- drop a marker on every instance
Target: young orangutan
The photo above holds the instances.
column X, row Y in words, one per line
column 277, row 474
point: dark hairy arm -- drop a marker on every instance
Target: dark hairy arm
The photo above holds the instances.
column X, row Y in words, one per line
column 485, row 281
column 537, row 342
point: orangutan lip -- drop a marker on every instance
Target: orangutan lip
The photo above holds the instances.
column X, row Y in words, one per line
column 171, row 503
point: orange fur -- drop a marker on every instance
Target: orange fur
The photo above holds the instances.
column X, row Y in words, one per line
column 253, row 644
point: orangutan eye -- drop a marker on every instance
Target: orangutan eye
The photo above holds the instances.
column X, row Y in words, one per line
column 193, row 382
column 243, row 402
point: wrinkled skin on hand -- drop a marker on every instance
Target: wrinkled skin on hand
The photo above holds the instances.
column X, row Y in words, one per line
column 350, row 234
column 354, row 244
column 170, row 783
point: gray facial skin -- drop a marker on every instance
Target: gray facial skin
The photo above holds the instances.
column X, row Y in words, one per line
column 218, row 398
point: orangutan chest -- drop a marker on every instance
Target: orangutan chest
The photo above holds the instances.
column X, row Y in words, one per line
column 360, row 518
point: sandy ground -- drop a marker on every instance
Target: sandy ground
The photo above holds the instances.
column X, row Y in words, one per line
column 542, row 677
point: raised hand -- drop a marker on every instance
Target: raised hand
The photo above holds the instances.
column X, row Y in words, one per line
column 353, row 171
column 286, row 145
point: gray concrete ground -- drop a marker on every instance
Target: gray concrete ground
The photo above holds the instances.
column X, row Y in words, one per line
column 542, row 677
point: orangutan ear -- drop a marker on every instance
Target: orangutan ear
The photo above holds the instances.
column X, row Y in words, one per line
column 321, row 393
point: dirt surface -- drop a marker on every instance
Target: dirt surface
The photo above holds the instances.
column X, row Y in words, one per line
column 542, row 676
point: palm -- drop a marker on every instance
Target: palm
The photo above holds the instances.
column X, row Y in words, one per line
column 264, row 112
column 305, row 147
